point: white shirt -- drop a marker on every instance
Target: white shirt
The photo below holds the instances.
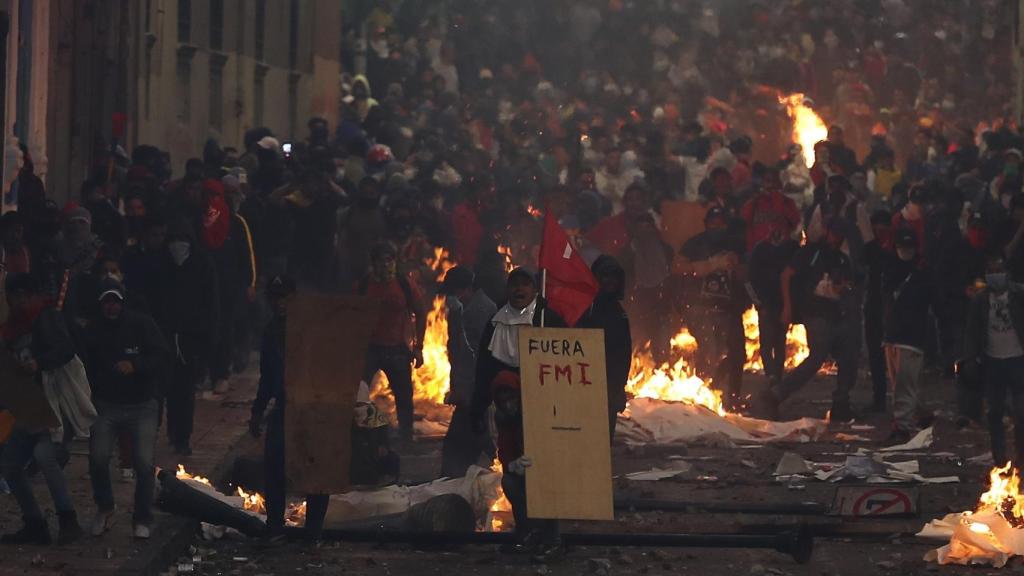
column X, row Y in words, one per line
column 1003, row 341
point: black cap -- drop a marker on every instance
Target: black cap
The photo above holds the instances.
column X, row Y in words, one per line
column 111, row 287
column 906, row 237
column 522, row 273
column 457, row 279
column 280, row 286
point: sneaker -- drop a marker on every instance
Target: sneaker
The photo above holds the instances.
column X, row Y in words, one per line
column 127, row 474
column 141, row 532
column 103, row 521
column 35, row 531
column 70, row 531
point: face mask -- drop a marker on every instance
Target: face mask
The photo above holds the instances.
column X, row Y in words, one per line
column 906, row 254
column 180, row 251
column 997, row 282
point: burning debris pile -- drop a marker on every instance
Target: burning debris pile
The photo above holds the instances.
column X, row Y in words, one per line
column 990, row 534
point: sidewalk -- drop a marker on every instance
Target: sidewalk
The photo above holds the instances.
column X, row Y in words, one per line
column 220, row 427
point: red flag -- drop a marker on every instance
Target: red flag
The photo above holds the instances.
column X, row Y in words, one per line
column 571, row 286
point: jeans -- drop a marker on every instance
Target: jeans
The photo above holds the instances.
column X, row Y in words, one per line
column 21, row 447
column 905, row 366
column 772, row 342
column 1002, row 375
column 276, row 483
column 873, row 334
column 838, row 338
column 396, row 363
column 181, row 394
column 139, row 421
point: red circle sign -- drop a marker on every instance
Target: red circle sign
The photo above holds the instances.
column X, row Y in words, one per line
column 882, row 501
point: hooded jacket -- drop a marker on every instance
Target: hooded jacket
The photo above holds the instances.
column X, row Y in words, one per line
column 363, row 106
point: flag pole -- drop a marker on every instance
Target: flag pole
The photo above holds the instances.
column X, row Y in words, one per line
column 543, row 293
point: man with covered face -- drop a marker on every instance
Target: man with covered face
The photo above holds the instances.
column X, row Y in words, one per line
column 994, row 347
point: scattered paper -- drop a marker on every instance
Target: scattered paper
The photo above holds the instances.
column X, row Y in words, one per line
column 654, row 474
column 923, row 439
column 792, row 463
column 844, row 437
column 982, row 538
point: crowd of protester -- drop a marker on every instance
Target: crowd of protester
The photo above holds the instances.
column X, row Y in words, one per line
column 473, row 118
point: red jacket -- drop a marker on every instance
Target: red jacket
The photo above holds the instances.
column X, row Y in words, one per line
column 764, row 211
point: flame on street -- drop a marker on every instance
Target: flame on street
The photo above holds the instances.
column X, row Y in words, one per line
column 675, row 383
column 502, row 521
column 253, row 501
column 808, row 127
column 181, row 474
column 1003, row 495
column 796, row 343
column 506, row 252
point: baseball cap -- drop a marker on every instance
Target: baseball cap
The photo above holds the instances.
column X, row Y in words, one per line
column 111, row 287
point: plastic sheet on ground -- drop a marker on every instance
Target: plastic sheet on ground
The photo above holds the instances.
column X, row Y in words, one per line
column 982, row 538
column 479, row 487
column 659, row 422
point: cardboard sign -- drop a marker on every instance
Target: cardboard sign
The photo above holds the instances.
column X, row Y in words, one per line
column 325, row 351
column 860, row 501
column 23, row 397
column 565, row 423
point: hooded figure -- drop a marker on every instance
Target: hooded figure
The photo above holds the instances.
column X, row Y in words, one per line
column 606, row 313
column 363, row 101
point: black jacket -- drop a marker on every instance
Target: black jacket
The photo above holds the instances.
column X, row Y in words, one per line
column 134, row 337
column 606, row 313
column 907, row 292
column 487, row 366
column 191, row 299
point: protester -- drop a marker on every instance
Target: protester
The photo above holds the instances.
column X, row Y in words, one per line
column 126, row 355
column 607, row 314
column 271, row 387
column 468, row 312
column 189, row 316
column 993, row 346
column 389, row 350
column 37, row 337
column 767, row 261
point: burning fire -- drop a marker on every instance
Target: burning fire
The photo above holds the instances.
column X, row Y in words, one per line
column 430, row 381
column 507, row 253
column 498, row 522
column 295, row 515
column 441, row 262
column 181, row 474
column 1003, row 496
column 796, row 343
column 534, row 211
column 808, row 127
column 253, row 502
column 676, row 383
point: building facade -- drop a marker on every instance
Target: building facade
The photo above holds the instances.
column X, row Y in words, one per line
column 178, row 71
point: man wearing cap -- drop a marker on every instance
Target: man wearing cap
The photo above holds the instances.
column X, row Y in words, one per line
column 468, row 310
column 713, row 273
column 125, row 357
column 907, row 289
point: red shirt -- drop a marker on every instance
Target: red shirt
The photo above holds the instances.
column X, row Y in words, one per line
column 395, row 311
column 764, row 211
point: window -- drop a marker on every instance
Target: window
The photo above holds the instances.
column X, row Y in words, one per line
column 257, row 95
column 184, row 73
column 258, row 28
column 293, row 34
column 216, row 103
column 217, row 25
column 184, row 21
